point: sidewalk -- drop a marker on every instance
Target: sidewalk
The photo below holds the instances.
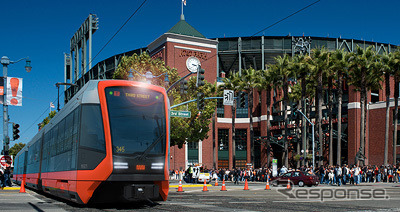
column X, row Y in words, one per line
column 12, row 200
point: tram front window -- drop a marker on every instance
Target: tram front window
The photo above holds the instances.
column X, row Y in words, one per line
column 137, row 121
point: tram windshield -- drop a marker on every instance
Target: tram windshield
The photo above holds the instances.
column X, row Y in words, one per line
column 137, row 121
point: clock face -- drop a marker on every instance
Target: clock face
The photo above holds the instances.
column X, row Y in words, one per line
column 192, row 64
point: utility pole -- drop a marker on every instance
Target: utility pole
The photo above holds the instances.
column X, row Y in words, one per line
column 5, row 61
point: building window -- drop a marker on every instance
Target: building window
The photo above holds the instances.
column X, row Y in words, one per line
column 223, row 139
column 398, row 138
column 398, row 117
column 242, row 112
column 241, row 139
column 193, row 153
column 374, row 96
column 193, row 145
column 220, row 108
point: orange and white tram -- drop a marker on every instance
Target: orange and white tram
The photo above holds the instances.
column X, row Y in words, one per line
column 110, row 143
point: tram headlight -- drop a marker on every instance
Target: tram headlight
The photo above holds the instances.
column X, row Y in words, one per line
column 120, row 165
column 157, row 166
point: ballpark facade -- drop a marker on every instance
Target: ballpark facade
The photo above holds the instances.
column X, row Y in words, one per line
column 221, row 57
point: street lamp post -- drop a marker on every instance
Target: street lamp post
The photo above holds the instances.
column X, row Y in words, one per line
column 58, row 92
column 5, row 61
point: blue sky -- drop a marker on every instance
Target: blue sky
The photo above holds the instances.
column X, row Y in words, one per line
column 42, row 30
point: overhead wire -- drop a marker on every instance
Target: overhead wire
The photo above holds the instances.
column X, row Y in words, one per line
column 47, row 109
column 141, row 5
column 277, row 22
column 105, row 45
column 271, row 25
column 115, row 34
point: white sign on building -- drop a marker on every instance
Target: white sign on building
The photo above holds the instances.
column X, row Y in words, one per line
column 229, row 95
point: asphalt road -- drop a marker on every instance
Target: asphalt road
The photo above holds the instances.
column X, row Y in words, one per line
column 366, row 197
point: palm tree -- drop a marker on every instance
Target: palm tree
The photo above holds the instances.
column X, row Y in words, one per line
column 282, row 75
column 363, row 75
column 383, row 66
column 301, row 68
column 319, row 64
column 232, row 83
column 394, row 64
column 340, row 67
column 266, row 83
column 330, row 77
column 248, row 81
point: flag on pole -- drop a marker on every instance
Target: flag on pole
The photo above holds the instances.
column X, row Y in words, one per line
column 184, row 2
column 52, row 105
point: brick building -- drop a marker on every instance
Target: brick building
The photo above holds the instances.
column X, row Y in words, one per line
column 223, row 56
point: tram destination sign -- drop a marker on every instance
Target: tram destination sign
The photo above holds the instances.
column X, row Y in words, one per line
column 182, row 114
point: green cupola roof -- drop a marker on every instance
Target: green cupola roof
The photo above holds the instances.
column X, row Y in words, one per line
column 183, row 28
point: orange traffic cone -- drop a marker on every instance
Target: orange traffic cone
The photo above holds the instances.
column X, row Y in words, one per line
column 216, row 182
column 180, row 189
column 205, row 185
column 246, row 186
column 22, row 189
column 223, row 188
column 288, row 184
column 267, row 186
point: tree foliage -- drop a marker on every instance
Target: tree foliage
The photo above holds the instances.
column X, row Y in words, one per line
column 183, row 130
column 47, row 119
column 16, row 148
column 196, row 127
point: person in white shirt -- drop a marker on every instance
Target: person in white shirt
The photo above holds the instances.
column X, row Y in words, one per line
column 356, row 174
column 338, row 175
column 284, row 170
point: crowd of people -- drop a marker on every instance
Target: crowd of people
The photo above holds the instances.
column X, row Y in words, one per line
column 338, row 175
column 333, row 175
column 5, row 172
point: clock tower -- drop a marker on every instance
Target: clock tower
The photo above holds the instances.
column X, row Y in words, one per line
column 185, row 48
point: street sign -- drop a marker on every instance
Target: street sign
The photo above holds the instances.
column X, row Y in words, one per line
column 182, row 114
column 5, row 159
column 274, row 167
column 228, row 97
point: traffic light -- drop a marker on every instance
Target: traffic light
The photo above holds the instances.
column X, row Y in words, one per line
column 15, row 131
column 242, row 99
column 200, row 77
column 293, row 110
column 200, row 101
column 183, row 87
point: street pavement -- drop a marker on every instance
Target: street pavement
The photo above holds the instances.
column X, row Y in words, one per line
column 12, row 200
column 366, row 197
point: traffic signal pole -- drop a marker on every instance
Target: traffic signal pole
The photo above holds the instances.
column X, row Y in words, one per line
column 173, row 85
column 313, row 141
column 194, row 100
column 6, row 139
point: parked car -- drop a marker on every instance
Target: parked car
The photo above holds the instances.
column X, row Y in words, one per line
column 300, row 178
column 204, row 176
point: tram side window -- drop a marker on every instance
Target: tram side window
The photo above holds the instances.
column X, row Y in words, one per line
column 92, row 132
column 76, row 124
column 53, row 141
column 46, row 145
column 30, row 155
column 75, row 132
column 37, row 155
column 92, row 148
column 69, row 121
column 60, row 138
column 46, row 151
column 37, row 150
